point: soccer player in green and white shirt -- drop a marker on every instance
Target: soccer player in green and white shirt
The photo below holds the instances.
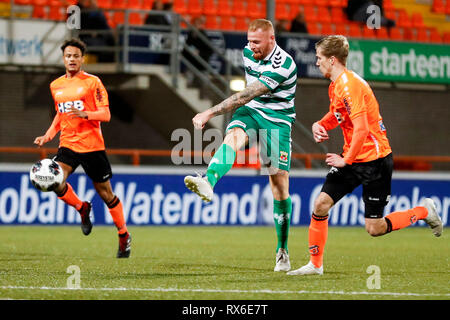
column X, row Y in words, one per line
column 264, row 111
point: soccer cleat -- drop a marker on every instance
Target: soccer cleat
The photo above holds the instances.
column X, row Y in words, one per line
column 308, row 269
column 124, row 246
column 86, row 225
column 432, row 219
column 200, row 186
column 282, row 262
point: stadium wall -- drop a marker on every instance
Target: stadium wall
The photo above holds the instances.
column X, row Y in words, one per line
column 157, row 196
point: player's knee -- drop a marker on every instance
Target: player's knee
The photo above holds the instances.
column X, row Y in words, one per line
column 321, row 207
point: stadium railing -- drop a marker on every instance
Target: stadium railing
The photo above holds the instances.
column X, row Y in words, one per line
column 405, row 162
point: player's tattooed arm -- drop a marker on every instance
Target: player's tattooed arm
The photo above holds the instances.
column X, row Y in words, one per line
column 235, row 101
column 238, row 99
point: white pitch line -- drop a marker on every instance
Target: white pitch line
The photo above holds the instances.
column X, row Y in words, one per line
column 376, row 293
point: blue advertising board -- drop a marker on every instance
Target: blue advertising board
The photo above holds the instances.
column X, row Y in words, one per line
column 157, row 196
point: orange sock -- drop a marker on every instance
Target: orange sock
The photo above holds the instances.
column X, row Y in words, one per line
column 318, row 233
column 116, row 210
column 402, row 219
column 70, row 197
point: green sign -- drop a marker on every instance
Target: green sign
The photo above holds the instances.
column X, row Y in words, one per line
column 400, row 61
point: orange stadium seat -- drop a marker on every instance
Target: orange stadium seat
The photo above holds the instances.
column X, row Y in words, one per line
column 254, row 10
column 238, row 9
column 241, row 24
column 224, row 8
column 56, row 13
column 382, row 34
column 355, row 30
column 209, row 7
column 310, row 13
column 119, row 4
column 322, row 3
column 211, row 22
column 281, row 11
column 396, row 34
column 447, row 8
column 326, row 29
column 435, row 37
column 388, row 5
column 306, row 2
column 179, row 6
column 336, row 4
column 417, row 20
column 39, row 12
column 118, row 17
column 446, row 37
column 40, row 2
column 438, row 6
column 403, row 19
column 194, row 7
column 368, row 33
column 21, row 2
column 313, row 28
column 226, row 23
column 421, row 35
column 104, row 4
column 409, row 34
column 323, row 15
column 136, row 18
column 341, row 28
column 134, row 4
column 147, row 4
column 338, row 15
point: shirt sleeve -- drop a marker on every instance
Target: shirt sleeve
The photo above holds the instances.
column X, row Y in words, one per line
column 100, row 94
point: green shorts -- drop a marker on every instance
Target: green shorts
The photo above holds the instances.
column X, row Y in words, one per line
column 274, row 137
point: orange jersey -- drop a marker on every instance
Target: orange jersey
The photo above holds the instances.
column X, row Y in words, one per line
column 350, row 97
column 87, row 93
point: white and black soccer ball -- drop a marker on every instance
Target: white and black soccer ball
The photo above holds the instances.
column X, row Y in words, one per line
column 46, row 175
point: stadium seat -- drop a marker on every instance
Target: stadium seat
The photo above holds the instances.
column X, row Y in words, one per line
column 321, row 3
column 409, row 34
column 281, row 11
column 326, row 29
column 147, row 4
column 119, row 4
column 306, row 2
column 118, row 17
column 194, row 7
column 56, row 13
column 435, row 37
column 336, row 4
column 254, row 10
column 446, row 37
column 211, row 22
column 382, row 34
column 368, row 33
column 396, row 34
column 40, row 2
column 224, row 8
column 417, row 20
column 355, row 30
column 226, row 23
column 209, row 7
column 310, row 14
column 134, row 4
column 136, row 18
column 438, row 6
column 447, row 8
column 241, row 24
column 180, row 7
column 403, row 19
column 323, row 15
column 338, row 15
column 421, row 35
column 104, row 4
column 39, row 12
column 388, row 5
column 341, row 28
column 238, row 9
column 313, row 28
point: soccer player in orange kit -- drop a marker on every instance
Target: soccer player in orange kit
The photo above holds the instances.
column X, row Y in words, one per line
column 81, row 103
column 366, row 158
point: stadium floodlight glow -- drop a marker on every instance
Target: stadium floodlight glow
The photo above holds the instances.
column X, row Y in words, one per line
column 237, row 84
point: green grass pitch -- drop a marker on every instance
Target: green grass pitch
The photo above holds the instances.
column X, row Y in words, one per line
column 219, row 263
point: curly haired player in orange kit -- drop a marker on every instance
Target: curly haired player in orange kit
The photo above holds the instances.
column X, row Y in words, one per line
column 81, row 103
column 366, row 159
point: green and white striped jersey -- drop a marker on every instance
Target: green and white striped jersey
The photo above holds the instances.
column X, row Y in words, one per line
column 279, row 73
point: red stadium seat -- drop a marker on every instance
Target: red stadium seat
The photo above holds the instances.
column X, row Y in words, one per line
column 355, row 30
column 313, row 28
column 39, row 12
column 326, row 29
column 421, row 35
column 446, row 37
column 438, row 6
column 238, row 9
column 104, row 4
column 224, row 8
column 338, row 15
column 209, row 7
column 341, row 28
column 118, row 18
column 417, row 20
column 241, row 24
column 211, row 23
column 447, row 8
column 368, row 33
column 323, row 15
column 396, row 34
column 382, row 34
column 435, row 37
column 336, row 4
column 281, row 11
column 136, row 18
column 409, row 34
column 194, row 7
column 147, row 4
column 388, row 5
column 226, row 23
column 322, row 3
column 134, row 4
column 56, row 13
column 403, row 19
column 310, row 14
column 254, row 10
column 180, row 7
column 119, row 4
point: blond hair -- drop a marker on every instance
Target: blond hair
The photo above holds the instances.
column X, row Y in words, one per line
column 263, row 24
column 334, row 45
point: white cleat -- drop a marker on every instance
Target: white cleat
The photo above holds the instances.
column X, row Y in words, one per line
column 309, row 269
column 282, row 262
column 200, row 186
column 432, row 219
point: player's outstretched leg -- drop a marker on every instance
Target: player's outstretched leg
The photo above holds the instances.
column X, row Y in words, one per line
column 219, row 165
column 115, row 208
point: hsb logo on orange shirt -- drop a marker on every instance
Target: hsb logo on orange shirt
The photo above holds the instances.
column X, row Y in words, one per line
column 66, row 106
